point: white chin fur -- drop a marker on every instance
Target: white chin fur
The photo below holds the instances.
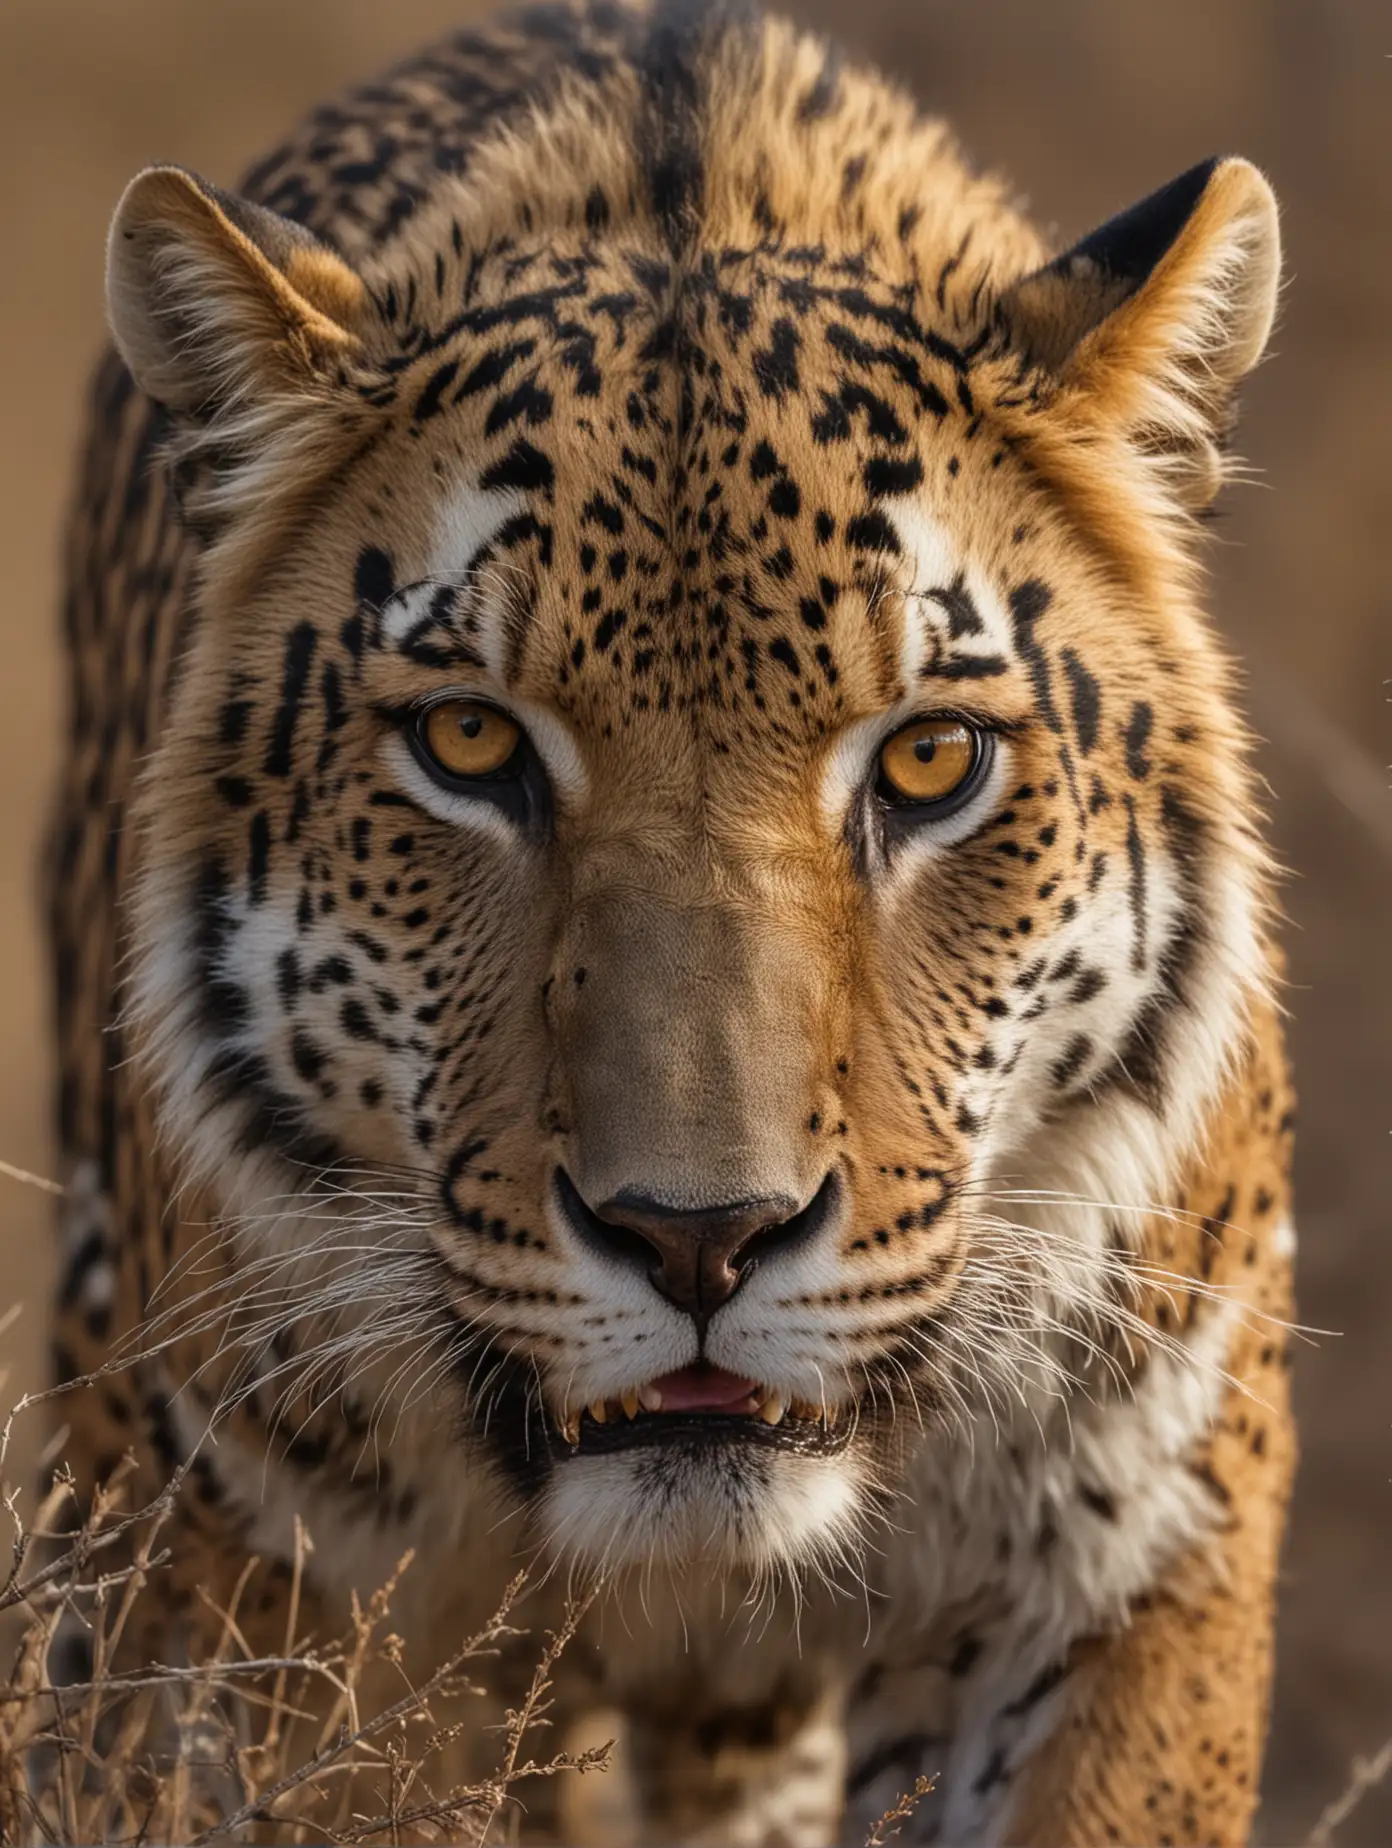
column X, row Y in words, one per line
column 755, row 1511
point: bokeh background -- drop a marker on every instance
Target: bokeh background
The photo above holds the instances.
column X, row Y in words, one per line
column 1086, row 104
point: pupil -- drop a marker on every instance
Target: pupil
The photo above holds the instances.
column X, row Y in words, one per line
column 925, row 750
column 472, row 726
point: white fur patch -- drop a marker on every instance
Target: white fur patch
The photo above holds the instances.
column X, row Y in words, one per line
column 937, row 567
column 464, row 524
column 752, row 1512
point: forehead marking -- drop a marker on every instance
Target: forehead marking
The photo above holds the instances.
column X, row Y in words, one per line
column 469, row 519
column 955, row 626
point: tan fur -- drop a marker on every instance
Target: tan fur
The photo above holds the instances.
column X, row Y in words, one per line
column 714, row 441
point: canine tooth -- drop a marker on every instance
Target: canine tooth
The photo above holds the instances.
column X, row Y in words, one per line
column 629, row 1401
column 570, row 1428
column 771, row 1411
column 599, row 1411
column 650, row 1398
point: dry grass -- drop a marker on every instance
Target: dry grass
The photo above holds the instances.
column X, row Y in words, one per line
column 238, row 1745
column 226, row 1746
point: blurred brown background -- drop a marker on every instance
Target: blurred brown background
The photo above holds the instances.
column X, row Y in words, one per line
column 1086, row 104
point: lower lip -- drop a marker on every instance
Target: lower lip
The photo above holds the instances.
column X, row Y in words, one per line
column 709, row 1431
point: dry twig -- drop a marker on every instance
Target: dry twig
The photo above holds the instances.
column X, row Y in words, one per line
column 894, row 1819
column 285, row 1747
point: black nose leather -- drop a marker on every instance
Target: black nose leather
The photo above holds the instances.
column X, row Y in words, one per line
column 697, row 1260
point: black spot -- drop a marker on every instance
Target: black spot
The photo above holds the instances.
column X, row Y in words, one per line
column 357, row 1022
column 872, row 532
column 1086, row 698
column 493, row 368
column 1044, row 1683
column 373, row 579
column 288, row 976
column 527, row 400
column 429, row 403
column 962, row 616
column 993, row 1773
column 1136, row 890
column 965, row 1656
column 1028, row 602
column 1089, row 984
column 1101, row 1501
column 763, row 462
column 603, row 513
column 232, row 721
column 308, row 1056
column 1074, row 1057
column 299, row 653
column 776, row 367
column 1136, row 736
column 784, row 499
column 608, row 627
column 885, row 475
column 904, row 1755
column 524, row 467
column 967, row 667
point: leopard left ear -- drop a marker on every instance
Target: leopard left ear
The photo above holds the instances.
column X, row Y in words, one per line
column 1148, row 323
column 246, row 329
column 215, row 301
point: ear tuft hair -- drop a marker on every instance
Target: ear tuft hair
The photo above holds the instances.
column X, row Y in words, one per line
column 243, row 325
column 1147, row 325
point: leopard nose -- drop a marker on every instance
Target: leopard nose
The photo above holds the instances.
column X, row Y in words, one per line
column 697, row 1258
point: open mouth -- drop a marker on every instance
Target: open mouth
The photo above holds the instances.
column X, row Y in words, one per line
column 702, row 1405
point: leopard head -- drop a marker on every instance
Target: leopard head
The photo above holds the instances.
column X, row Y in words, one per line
column 700, row 829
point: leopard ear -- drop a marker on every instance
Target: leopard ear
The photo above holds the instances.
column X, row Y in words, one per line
column 1148, row 323
column 217, row 303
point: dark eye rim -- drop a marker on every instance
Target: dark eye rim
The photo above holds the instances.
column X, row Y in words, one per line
column 909, row 810
column 519, row 789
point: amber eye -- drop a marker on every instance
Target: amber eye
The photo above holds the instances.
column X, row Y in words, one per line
column 461, row 738
column 930, row 761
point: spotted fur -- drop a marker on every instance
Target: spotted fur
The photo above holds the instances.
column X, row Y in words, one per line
column 676, row 387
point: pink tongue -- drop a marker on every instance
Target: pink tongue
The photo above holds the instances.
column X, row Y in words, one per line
column 701, row 1388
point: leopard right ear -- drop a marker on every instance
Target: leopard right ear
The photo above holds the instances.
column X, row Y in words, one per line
column 218, row 305
column 1150, row 323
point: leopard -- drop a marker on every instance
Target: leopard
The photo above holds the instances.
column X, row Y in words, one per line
column 666, row 968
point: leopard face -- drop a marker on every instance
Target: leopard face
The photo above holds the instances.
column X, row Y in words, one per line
column 697, row 809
